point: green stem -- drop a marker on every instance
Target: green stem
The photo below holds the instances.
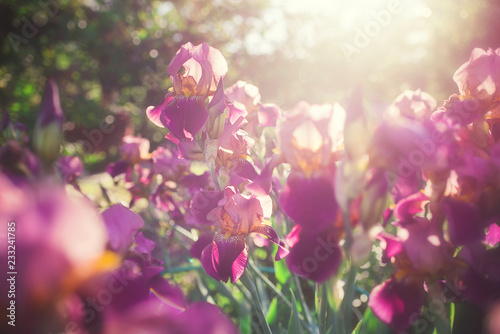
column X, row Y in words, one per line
column 323, row 307
column 348, row 232
column 314, row 328
column 248, row 283
column 254, row 269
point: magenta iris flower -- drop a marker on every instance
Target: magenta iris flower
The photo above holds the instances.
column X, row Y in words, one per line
column 235, row 216
column 195, row 72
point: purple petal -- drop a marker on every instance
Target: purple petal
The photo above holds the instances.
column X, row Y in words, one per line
column 390, row 244
column 187, row 149
column 408, row 207
column 465, row 222
column 199, row 245
column 310, row 202
column 209, row 320
column 204, row 202
column 218, row 102
column 196, row 182
column 262, row 184
column 144, row 245
column 154, row 113
column 225, row 258
column 184, row 116
column 122, row 225
column 396, row 303
column 314, row 256
column 493, row 236
column 117, row 168
column 423, row 245
column 270, row 232
column 236, row 113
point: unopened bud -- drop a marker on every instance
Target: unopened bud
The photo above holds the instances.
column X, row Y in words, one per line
column 48, row 130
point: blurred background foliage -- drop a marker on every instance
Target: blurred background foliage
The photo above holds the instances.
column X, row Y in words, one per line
column 110, row 57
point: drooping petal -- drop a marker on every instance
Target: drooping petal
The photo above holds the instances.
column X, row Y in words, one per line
column 226, row 257
column 154, row 113
column 314, row 256
column 187, row 149
column 218, row 103
column 184, row 116
column 310, row 202
column 199, row 245
column 396, row 303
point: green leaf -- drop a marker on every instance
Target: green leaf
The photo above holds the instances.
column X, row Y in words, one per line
column 452, row 315
column 370, row 324
column 272, row 311
column 281, row 271
column 294, row 323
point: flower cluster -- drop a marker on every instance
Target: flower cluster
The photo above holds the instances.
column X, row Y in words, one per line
column 418, row 181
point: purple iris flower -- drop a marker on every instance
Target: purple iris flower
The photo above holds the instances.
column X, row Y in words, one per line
column 195, row 72
column 235, row 216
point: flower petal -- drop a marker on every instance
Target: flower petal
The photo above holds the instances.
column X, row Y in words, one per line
column 204, row 202
column 226, row 257
column 122, row 225
column 397, row 304
column 310, row 202
column 315, row 256
column 184, row 116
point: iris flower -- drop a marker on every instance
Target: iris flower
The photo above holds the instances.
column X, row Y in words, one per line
column 234, row 216
column 195, row 72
